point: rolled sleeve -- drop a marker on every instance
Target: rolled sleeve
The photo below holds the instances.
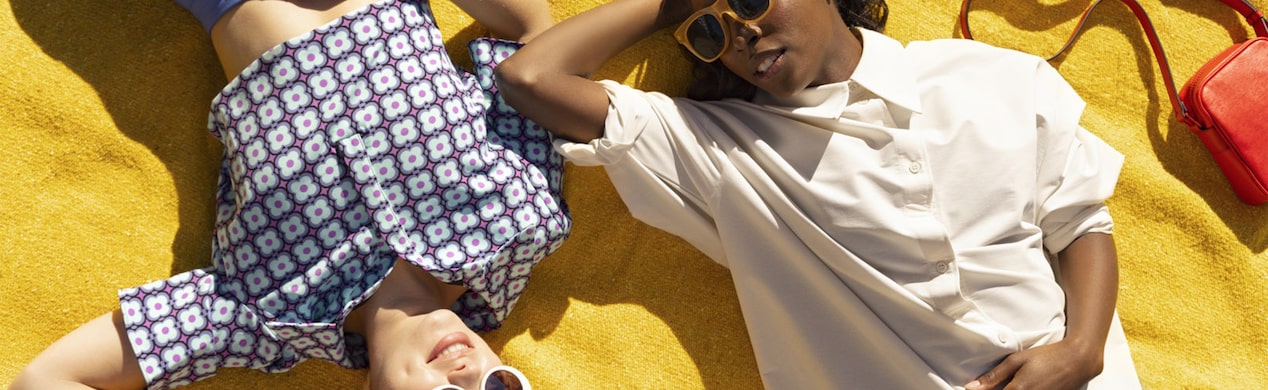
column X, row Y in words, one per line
column 1077, row 205
column 629, row 115
column 661, row 168
column 1077, row 170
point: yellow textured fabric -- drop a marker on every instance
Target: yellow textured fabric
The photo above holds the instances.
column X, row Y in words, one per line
column 108, row 178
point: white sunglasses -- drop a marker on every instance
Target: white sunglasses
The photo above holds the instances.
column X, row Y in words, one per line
column 498, row 378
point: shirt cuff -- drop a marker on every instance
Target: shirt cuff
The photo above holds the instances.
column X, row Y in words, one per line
column 1077, row 207
column 1094, row 219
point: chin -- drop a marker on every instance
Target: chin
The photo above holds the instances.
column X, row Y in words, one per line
column 783, row 92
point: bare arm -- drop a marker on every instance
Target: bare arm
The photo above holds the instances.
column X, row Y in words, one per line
column 97, row 355
column 518, row 20
column 1089, row 272
column 549, row 79
column 253, row 27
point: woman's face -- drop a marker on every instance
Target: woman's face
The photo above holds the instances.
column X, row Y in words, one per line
column 799, row 44
column 440, row 350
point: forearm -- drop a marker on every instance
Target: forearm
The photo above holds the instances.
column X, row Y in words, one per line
column 1089, row 272
column 549, row 79
column 580, row 45
column 97, row 355
column 518, row 20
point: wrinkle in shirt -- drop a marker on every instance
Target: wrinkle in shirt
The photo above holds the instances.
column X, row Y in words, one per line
column 902, row 213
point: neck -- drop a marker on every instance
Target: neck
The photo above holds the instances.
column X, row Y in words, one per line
column 406, row 291
column 849, row 53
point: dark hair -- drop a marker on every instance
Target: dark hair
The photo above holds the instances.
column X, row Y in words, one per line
column 713, row 81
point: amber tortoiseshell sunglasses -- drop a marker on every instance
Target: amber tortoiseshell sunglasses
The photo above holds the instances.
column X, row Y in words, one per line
column 707, row 35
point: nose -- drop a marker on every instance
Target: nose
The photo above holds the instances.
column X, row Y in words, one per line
column 746, row 34
column 467, row 376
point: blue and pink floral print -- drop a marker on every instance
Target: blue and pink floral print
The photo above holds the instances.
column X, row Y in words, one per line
column 346, row 148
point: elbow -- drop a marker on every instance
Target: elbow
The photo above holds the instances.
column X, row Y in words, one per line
column 515, row 80
column 565, row 104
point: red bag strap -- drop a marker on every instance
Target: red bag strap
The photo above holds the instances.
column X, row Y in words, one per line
column 1253, row 16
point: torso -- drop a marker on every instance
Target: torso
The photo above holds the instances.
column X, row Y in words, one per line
column 247, row 31
column 911, row 220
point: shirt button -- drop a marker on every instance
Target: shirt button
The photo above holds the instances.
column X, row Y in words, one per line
column 1003, row 339
column 942, row 267
column 914, row 167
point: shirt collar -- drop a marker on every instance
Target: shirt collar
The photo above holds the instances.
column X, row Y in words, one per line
column 881, row 70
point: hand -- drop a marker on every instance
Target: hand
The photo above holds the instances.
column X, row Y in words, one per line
column 1062, row 365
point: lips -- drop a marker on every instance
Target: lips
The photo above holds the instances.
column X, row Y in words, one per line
column 762, row 67
column 767, row 63
column 452, row 345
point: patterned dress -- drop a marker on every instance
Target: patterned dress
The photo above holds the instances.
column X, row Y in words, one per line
column 346, row 148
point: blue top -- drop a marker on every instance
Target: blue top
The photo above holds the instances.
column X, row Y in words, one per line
column 208, row 11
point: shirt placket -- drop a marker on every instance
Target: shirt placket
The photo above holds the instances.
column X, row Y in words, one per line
column 942, row 290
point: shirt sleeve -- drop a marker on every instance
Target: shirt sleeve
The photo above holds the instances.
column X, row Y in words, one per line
column 662, row 168
column 1077, row 170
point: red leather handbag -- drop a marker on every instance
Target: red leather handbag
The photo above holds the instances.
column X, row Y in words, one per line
column 1225, row 103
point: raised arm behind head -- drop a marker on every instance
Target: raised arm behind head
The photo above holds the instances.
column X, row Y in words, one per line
column 548, row 80
column 516, row 20
column 246, row 31
column 779, row 46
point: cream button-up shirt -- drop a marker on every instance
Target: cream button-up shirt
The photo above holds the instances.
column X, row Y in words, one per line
column 893, row 231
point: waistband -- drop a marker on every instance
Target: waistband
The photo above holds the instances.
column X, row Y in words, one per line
column 208, row 11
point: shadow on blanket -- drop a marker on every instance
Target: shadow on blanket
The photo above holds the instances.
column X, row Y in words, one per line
column 1177, row 149
column 621, row 305
column 155, row 73
column 128, row 56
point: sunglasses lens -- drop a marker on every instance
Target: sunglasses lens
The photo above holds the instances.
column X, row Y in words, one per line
column 503, row 379
column 706, row 36
column 749, row 9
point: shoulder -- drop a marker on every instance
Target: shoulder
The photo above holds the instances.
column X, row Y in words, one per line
column 968, row 48
column 970, row 68
column 965, row 55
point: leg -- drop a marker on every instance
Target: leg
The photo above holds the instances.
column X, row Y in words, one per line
column 95, row 355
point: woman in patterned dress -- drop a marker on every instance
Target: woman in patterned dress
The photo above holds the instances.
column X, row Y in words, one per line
column 376, row 206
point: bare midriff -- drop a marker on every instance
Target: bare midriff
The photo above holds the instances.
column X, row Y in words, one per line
column 254, row 27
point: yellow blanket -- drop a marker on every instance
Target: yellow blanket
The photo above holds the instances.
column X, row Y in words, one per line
column 109, row 173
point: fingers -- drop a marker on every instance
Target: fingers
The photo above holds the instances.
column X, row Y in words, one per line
column 998, row 376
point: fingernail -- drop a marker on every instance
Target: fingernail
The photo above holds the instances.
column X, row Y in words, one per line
column 973, row 385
